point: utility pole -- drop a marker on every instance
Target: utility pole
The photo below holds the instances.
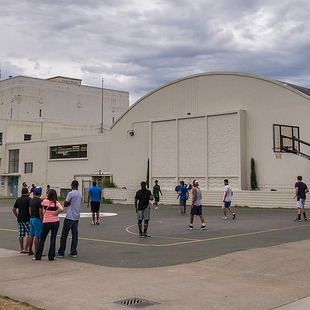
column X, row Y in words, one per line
column 101, row 129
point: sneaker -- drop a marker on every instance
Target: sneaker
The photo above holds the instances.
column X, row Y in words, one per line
column 72, row 255
column 224, row 217
column 190, row 227
column 156, row 208
column 304, row 219
column 144, row 235
column 203, row 227
column 234, row 216
column 58, row 255
column 140, row 234
column 97, row 222
column 93, row 223
column 30, row 253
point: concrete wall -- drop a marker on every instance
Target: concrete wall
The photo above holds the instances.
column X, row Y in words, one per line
column 62, row 99
column 264, row 101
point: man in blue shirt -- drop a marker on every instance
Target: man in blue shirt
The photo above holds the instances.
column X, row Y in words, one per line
column 183, row 194
column 94, row 197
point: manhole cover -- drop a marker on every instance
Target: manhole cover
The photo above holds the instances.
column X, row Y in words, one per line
column 136, row 302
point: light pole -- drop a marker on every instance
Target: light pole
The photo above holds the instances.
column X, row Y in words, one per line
column 101, row 129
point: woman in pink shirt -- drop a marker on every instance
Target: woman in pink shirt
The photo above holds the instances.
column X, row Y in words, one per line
column 51, row 209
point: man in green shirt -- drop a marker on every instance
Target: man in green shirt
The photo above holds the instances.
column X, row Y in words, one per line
column 156, row 191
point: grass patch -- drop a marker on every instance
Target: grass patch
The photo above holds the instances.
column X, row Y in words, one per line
column 107, row 201
column 11, row 303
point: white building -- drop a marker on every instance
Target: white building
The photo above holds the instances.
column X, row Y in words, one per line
column 34, row 110
column 206, row 127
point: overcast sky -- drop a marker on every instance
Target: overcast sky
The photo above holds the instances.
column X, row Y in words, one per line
column 139, row 45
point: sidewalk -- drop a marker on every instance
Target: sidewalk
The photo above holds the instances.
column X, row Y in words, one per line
column 268, row 278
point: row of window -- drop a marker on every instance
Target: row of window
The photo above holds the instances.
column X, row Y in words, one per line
column 56, row 152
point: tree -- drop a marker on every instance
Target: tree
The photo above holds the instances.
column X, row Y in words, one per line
column 253, row 175
column 148, row 173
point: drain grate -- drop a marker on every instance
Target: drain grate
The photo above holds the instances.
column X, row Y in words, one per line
column 136, row 302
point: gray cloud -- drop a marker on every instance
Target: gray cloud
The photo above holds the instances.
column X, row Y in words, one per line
column 139, row 45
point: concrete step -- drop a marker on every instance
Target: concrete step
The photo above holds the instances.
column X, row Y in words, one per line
column 261, row 199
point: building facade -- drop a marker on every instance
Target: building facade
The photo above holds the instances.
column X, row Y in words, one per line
column 206, row 127
column 33, row 110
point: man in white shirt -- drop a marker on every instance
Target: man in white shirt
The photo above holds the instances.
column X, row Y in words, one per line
column 227, row 200
column 71, row 222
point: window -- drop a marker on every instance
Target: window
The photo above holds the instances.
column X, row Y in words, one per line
column 28, row 168
column 68, row 151
column 13, row 161
column 1, row 135
column 27, row 137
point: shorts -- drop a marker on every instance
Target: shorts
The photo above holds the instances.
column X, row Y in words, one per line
column 143, row 214
column 301, row 203
column 156, row 199
column 227, row 204
column 95, row 206
column 23, row 228
column 197, row 210
column 35, row 227
column 183, row 202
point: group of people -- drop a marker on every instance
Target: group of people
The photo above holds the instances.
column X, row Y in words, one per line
column 143, row 196
column 37, row 217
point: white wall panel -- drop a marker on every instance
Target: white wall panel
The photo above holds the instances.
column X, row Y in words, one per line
column 164, row 149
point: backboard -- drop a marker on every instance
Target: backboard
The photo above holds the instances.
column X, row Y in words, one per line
column 285, row 137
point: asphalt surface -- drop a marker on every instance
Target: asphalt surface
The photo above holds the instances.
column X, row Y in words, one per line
column 257, row 261
column 115, row 242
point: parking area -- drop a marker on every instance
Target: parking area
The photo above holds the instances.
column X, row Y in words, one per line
column 115, row 242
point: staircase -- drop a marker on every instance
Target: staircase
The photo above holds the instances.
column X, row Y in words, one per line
column 252, row 199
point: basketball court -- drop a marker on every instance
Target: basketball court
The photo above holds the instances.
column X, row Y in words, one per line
column 115, row 242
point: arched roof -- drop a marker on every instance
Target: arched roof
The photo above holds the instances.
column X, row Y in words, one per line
column 305, row 92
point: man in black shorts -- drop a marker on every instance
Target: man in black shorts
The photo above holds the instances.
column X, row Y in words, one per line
column 21, row 211
column 142, row 198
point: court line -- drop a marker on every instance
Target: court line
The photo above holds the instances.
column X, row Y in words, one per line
column 184, row 242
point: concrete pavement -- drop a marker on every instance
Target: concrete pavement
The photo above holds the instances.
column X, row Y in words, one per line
column 269, row 278
column 258, row 262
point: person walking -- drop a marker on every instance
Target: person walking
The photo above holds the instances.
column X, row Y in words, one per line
column 94, row 197
column 71, row 222
column 52, row 208
column 21, row 212
column 228, row 193
column 36, row 212
column 183, row 194
column 196, row 208
column 156, row 191
column 142, row 198
column 301, row 189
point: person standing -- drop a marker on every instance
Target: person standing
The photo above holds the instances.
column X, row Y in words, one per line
column 183, row 194
column 300, row 192
column 32, row 189
column 196, row 208
column 21, row 211
column 142, row 198
column 52, row 208
column 71, row 222
column 48, row 188
column 36, row 212
column 156, row 191
column 227, row 200
column 94, row 197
